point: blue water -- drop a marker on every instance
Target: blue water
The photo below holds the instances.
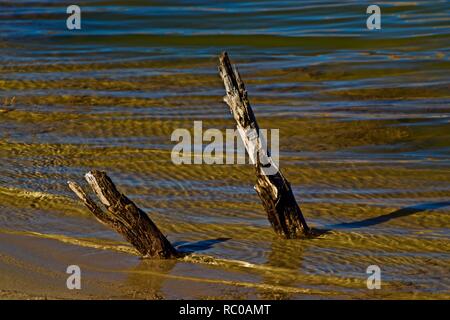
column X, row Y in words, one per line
column 364, row 139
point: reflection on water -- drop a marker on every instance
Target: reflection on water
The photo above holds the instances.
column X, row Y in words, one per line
column 364, row 140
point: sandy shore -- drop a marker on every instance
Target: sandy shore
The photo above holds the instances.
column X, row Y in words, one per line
column 35, row 268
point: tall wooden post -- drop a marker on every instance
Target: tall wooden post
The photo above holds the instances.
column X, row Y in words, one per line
column 272, row 187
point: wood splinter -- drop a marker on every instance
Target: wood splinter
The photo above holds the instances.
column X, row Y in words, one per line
column 272, row 187
column 124, row 216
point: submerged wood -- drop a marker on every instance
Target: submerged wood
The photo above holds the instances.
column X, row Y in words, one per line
column 272, row 187
column 124, row 216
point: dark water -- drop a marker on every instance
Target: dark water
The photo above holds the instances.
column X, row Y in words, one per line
column 364, row 139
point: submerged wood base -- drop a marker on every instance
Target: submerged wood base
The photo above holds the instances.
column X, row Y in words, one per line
column 124, row 216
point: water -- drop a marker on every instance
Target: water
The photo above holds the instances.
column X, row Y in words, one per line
column 364, row 139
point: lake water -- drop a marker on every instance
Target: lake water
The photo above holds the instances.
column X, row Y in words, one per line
column 364, row 140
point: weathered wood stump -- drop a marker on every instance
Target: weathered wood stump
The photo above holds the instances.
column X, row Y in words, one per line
column 124, row 216
column 272, row 187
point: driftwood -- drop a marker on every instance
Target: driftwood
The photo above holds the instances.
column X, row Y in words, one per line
column 275, row 192
column 272, row 187
column 124, row 216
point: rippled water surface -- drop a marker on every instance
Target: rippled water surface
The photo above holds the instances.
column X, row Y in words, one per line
column 364, row 140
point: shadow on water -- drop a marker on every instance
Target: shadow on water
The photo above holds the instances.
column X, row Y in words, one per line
column 403, row 212
column 189, row 247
